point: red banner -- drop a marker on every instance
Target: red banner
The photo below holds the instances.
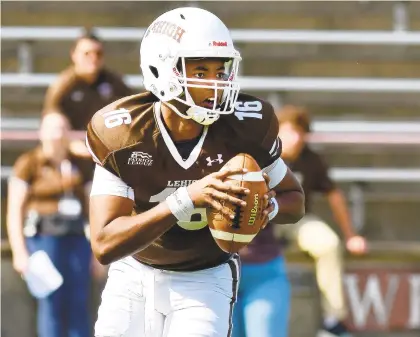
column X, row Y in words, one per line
column 383, row 299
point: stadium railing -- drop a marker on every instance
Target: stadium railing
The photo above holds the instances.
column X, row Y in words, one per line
column 60, row 33
column 26, row 35
column 332, row 133
column 341, row 174
column 357, row 178
column 256, row 83
column 344, row 126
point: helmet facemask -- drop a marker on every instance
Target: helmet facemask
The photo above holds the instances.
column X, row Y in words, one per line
column 225, row 91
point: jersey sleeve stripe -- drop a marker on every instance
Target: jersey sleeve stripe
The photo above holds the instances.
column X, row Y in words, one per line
column 275, row 147
column 106, row 183
column 96, row 159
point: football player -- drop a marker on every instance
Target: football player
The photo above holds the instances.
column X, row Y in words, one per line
column 159, row 156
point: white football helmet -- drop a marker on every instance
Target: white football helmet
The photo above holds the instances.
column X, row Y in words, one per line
column 189, row 33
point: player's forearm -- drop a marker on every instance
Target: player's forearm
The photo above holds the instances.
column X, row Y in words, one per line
column 127, row 235
column 17, row 195
column 291, row 207
column 340, row 212
column 15, row 232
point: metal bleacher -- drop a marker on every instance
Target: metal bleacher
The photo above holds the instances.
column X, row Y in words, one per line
column 256, row 83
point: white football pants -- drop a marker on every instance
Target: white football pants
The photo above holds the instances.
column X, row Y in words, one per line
column 140, row 301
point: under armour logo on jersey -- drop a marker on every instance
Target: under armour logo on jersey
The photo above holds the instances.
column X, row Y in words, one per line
column 140, row 158
column 210, row 161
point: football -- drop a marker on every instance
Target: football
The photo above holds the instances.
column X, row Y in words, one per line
column 232, row 235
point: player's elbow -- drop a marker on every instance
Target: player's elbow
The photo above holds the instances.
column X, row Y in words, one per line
column 298, row 211
column 102, row 254
column 103, row 257
column 103, row 251
column 292, row 207
column 298, row 214
column 292, row 217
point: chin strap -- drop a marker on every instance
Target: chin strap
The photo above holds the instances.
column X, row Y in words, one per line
column 201, row 116
column 175, row 109
column 195, row 113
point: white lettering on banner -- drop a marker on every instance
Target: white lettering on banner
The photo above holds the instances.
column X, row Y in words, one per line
column 414, row 318
column 362, row 302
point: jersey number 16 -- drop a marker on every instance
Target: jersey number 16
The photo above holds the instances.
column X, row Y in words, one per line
column 116, row 118
column 248, row 110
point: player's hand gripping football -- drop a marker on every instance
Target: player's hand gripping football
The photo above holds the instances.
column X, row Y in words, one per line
column 267, row 197
column 212, row 191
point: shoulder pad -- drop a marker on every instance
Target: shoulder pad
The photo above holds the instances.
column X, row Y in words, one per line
column 116, row 126
column 255, row 127
column 254, row 117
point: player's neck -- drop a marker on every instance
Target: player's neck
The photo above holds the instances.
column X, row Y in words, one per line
column 55, row 154
column 291, row 154
column 179, row 128
column 87, row 77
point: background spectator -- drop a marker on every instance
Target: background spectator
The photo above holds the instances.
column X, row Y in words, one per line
column 263, row 303
column 312, row 234
column 84, row 87
column 47, row 211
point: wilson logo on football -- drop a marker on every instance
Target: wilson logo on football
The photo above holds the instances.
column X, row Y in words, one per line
column 254, row 211
column 219, row 44
column 140, row 158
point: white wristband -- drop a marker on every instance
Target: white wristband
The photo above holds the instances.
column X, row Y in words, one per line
column 180, row 204
column 272, row 215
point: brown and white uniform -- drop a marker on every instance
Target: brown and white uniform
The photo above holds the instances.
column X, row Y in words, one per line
column 182, row 284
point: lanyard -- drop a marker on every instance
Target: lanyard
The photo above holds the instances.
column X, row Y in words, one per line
column 66, row 173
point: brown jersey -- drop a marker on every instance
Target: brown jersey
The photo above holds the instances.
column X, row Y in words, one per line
column 129, row 139
column 79, row 100
column 44, row 180
column 312, row 172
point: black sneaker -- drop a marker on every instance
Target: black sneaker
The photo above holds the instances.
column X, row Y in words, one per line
column 338, row 330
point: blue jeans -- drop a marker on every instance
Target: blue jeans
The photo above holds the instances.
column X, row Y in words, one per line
column 262, row 309
column 65, row 313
